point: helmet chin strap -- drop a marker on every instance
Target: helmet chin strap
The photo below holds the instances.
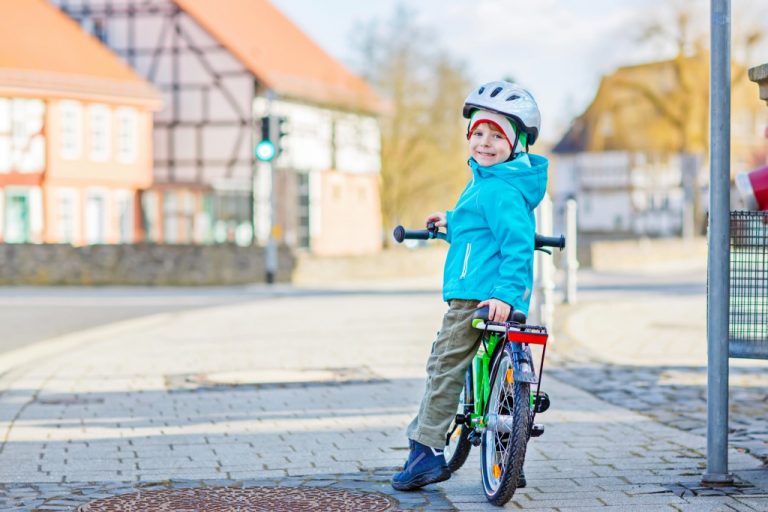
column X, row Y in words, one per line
column 513, row 155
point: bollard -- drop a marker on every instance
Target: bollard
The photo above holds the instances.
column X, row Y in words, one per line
column 571, row 259
column 545, row 269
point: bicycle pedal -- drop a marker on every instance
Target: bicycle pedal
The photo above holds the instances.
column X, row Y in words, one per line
column 537, row 430
column 542, row 402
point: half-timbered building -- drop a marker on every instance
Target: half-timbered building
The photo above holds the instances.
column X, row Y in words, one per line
column 221, row 66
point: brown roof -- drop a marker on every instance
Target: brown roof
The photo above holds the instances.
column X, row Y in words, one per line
column 623, row 101
column 44, row 52
column 279, row 54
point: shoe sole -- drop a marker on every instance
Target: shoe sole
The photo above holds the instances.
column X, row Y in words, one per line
column 422, row 480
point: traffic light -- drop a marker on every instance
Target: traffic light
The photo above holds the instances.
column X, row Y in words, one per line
column 280, row 132
column 271, row 143
column 265, row 149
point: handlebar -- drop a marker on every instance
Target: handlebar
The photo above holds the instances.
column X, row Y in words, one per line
column 400, row 234
column 557, row 242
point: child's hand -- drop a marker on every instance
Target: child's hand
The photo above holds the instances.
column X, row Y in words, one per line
column 438, row 218
column 498, row 311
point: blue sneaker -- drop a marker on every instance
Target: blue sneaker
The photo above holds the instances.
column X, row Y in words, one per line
column 425, row 465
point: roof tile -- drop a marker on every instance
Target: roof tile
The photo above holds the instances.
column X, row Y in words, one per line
column 279, row 54
column 42, row 49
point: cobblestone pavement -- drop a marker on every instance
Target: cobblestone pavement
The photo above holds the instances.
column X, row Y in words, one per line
column 62, row 497
column 647, row 351
column 309, row 391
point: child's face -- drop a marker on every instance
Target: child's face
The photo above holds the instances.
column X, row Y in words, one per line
column 488, row 146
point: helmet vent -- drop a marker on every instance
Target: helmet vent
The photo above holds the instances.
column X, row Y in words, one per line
column 513, row 97
column 480, row 91
column 496, row 91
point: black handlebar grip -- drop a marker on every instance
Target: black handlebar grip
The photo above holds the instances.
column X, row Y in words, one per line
column 557, row 242
column 400, row 234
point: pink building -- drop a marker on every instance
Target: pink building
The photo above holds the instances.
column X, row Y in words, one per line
column 75, row 132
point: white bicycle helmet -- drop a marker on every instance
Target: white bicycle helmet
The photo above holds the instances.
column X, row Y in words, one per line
column 510, row 100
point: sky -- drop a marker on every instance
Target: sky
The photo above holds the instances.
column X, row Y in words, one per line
column 558, row 49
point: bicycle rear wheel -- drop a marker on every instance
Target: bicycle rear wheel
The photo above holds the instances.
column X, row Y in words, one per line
column 505, row 440
column 457, row 446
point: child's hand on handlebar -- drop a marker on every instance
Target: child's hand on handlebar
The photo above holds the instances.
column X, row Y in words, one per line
column 438, row 218
column 498, row 311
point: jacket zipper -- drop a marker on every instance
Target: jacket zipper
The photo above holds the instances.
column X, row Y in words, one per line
column 466, row 261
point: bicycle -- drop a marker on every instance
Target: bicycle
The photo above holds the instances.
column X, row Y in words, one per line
column 496, row 407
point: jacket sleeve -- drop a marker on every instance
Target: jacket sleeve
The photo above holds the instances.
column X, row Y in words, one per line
column 448, row 217
column 508, row 216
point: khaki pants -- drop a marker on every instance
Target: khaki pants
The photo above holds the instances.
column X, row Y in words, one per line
column 452, row 352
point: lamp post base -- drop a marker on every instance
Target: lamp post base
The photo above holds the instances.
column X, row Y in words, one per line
column 717, row 479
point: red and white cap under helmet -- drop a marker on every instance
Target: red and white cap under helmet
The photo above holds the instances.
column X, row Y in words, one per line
column 500, row 122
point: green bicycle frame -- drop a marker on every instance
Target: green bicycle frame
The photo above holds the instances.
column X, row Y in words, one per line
column 481, row 378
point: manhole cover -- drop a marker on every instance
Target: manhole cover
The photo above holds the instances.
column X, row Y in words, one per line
column 226, row 499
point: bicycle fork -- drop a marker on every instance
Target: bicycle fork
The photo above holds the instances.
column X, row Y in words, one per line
column 523, row 370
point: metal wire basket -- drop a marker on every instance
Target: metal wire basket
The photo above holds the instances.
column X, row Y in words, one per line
column 748, row 307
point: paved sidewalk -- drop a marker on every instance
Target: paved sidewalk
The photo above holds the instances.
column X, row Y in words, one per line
column 311, row 391
column 640, row 341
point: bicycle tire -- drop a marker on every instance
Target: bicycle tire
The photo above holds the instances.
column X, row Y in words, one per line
column 503, row 454
column 458, row 446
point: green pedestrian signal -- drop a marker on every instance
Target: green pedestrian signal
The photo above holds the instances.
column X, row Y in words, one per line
column 272, row 133
column 265, row 151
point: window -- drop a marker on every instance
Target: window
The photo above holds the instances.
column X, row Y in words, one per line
column 187, row 216
column 127, row 135
column 5, row 135
column 68, row 218
column 170, row 224
column 95, row 217
column 100, row 119
column 303, row 210
column 124, row 202
column 231, row 208
column 149, row 210
column 17, row 216
column 22, row 143
column 71, row 130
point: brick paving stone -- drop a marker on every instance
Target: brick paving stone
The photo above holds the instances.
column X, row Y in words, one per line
column 327, row 434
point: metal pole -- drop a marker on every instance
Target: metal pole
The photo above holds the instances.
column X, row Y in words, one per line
column 571, row 260
column 254, row 168
column 717, row 265
column 270, row 254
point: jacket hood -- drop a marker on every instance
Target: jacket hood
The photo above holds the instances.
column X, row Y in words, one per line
column 526, row 173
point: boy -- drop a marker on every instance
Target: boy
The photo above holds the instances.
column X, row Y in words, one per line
column 490, row 262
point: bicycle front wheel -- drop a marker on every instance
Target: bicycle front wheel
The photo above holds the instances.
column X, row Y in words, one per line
column 457, row 445
column 506, row 438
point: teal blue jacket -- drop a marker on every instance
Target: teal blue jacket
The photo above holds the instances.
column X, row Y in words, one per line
column 491, row 231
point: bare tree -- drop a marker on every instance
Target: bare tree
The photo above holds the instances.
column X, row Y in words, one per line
column 423, row 146
column 685, row 103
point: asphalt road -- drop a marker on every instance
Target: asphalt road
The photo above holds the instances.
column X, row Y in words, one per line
column 30, row 314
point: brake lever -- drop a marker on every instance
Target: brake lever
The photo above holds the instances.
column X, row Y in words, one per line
column 543, row 250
